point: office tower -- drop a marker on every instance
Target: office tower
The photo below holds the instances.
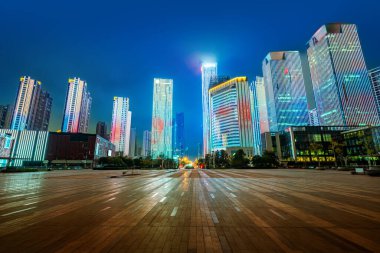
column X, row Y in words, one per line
column 132, row 143
column 146, row 143
column 128, row 133
column 6, row 113
column 161, row 141
column 285, row 90
column 32, row 106
column 77, row 107
column 121, row 125
column 231, row 119
column 258, row 112
column 179, row 135
column 101, row 129
column 262, row 104
column 342, row 89
column 209, row 72
column 374, row 75
column 313, row 117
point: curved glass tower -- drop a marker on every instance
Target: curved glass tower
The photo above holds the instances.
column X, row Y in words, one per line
column 230, row 116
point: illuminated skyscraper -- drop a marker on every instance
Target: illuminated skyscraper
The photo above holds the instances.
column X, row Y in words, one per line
column 285, row 90
column 161, row 142
column 259, row 113
column 231, row 119
column 374, row 75
column 209, row 72
column 32, row 107
column 146, row 143
column 262, row 104
column 121, row 125
column 342, row 89
column 77, row 107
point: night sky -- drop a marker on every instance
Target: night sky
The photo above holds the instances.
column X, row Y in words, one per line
column 118, row 47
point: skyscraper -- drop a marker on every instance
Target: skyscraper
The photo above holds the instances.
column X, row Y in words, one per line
column 285, row 90
column 231, row 119
column 146, row 143
column 41, row 118
column 342, row 89
column 32, row 106
column 179, row 134
column 262, row 104
column 374, row 75
column 101, row 129
column 161, row 141
column 258, row 112
column 209, row 72
column 132, row 143
column 77, row 107
column 121, row 125
column 6, row 113
column 313, row 117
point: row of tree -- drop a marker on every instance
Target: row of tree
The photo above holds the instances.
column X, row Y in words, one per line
column 127, row 162
column 221, row 159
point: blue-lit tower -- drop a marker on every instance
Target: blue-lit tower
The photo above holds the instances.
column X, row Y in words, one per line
column 285, row 90
column 342, row 88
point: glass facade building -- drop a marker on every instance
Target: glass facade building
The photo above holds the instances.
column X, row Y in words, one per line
column 121, row 125
column 374, row 75
column 285, row 90
column 363, row 144
column 27, row 146
column 342, row 89
column 77, row 107
column 209, row 73
column 162, row 119
column 230, row 116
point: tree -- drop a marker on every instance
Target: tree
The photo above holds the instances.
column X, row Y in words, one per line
column 147, row 162
column 128, row 161
column 221, row 159
column 257, row 161
column 208, row 161
column 269, row 158
column 369, row 147
column 238, row 160
column 314, row 148
column 337, row 149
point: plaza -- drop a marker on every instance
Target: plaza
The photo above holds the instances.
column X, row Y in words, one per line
column 273, row 210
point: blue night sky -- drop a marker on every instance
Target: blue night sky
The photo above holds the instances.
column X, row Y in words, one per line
column 118, row 47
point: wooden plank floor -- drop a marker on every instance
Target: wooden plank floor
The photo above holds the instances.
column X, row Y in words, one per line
column 190, row 211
